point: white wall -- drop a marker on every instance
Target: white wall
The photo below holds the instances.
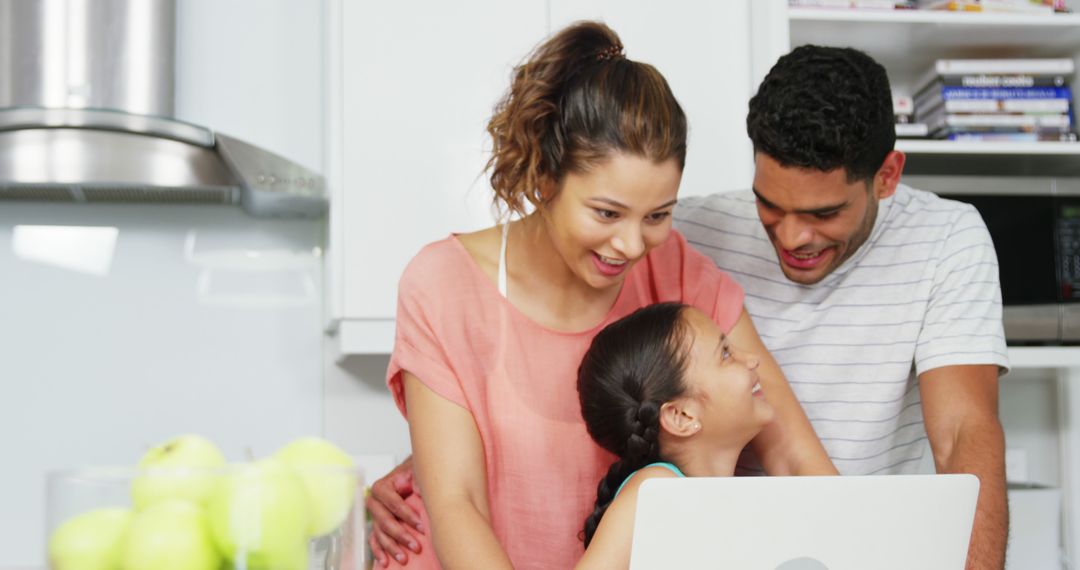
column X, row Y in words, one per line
column 1028, row 408
column 167, row 319
column 253, row 69
column 703, row 50
column 201, row 319
column 358, row 412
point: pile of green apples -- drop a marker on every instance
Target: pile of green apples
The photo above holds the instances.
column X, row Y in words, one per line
column 193, row 511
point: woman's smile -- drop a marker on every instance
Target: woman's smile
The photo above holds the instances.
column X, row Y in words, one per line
column 609, row 266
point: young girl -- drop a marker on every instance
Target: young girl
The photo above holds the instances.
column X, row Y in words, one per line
column 664, row 390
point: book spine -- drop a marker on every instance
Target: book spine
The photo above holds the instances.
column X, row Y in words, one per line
column 1050, row 66
column 820, row 3
column 873, row 4
column 949, row 93
column 1004, row 80
column 1007, row 106
column 1047, row 131
column 912, row 130
column 934, row 81
column 1015, row 6
column 954, row 5
column 1000, row 120
column 933, row 98
column 1012, row 137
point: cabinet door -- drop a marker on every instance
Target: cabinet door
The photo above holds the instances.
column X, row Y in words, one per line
column 703, row 49
column 418, row 83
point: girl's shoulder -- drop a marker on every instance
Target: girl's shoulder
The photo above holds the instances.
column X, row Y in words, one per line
column 656, row 470
column 653, row 471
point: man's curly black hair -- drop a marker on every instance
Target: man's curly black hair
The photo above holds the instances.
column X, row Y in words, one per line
column 824, row 108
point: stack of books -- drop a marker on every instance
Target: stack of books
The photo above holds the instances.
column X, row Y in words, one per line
column 997, row 100
column 1023, row 6
column 955, row 5
column 854, row 4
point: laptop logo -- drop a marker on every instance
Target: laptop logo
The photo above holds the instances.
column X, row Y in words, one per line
column 802, row 563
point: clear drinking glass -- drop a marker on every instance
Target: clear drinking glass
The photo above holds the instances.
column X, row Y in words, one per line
column 249, row 521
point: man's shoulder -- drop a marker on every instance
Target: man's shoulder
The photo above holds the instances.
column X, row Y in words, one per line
column 726, row 228
column 914, row 202
column 919, row 230
column 719, row 201
column 921, row 216
column 730, row 211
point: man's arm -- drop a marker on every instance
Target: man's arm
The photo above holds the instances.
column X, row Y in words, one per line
column 390, row 514
column 960, row 407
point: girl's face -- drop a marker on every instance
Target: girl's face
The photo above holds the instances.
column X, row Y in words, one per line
column 724, row 381
column 605, row 220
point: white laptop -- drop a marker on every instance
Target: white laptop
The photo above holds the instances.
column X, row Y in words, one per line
column 901, row 522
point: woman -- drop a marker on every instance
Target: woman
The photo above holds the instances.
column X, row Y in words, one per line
column 669, row 395
column 589, row 149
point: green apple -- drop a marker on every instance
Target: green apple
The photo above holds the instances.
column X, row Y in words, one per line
column 170, row 535
column 259, row 516
column 329, row 477
column 184, row 467
column 89, row 541
column 295, row 558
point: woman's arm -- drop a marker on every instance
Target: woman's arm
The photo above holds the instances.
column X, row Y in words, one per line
column 449, row 465
column 610, row 545
column 788, row 445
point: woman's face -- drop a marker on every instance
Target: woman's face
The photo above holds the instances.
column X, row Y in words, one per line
column 725, row 382
column 605, row 220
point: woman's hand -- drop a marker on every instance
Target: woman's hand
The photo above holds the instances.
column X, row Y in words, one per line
column 390, row 514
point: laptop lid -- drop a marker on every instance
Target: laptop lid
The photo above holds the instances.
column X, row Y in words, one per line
column 805, row 523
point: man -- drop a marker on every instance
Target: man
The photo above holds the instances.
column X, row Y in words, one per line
column 880, row 302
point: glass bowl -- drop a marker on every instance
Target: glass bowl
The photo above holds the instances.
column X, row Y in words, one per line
column 245, row 516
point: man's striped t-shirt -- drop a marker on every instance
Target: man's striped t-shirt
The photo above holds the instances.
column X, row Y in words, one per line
column 921, row 293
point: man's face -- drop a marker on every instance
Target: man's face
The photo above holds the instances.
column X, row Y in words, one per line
column 815, row 220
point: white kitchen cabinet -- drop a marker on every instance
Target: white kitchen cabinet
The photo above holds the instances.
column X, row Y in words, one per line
column 907, row 43
column 703, row 50
column 412, row 85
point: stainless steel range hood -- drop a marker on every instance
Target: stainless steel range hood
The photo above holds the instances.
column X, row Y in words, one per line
column 86, row 115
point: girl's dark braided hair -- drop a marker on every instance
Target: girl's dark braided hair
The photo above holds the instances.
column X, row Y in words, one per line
column 631, row 369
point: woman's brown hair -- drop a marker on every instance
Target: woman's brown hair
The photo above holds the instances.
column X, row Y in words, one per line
column 574, row 102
